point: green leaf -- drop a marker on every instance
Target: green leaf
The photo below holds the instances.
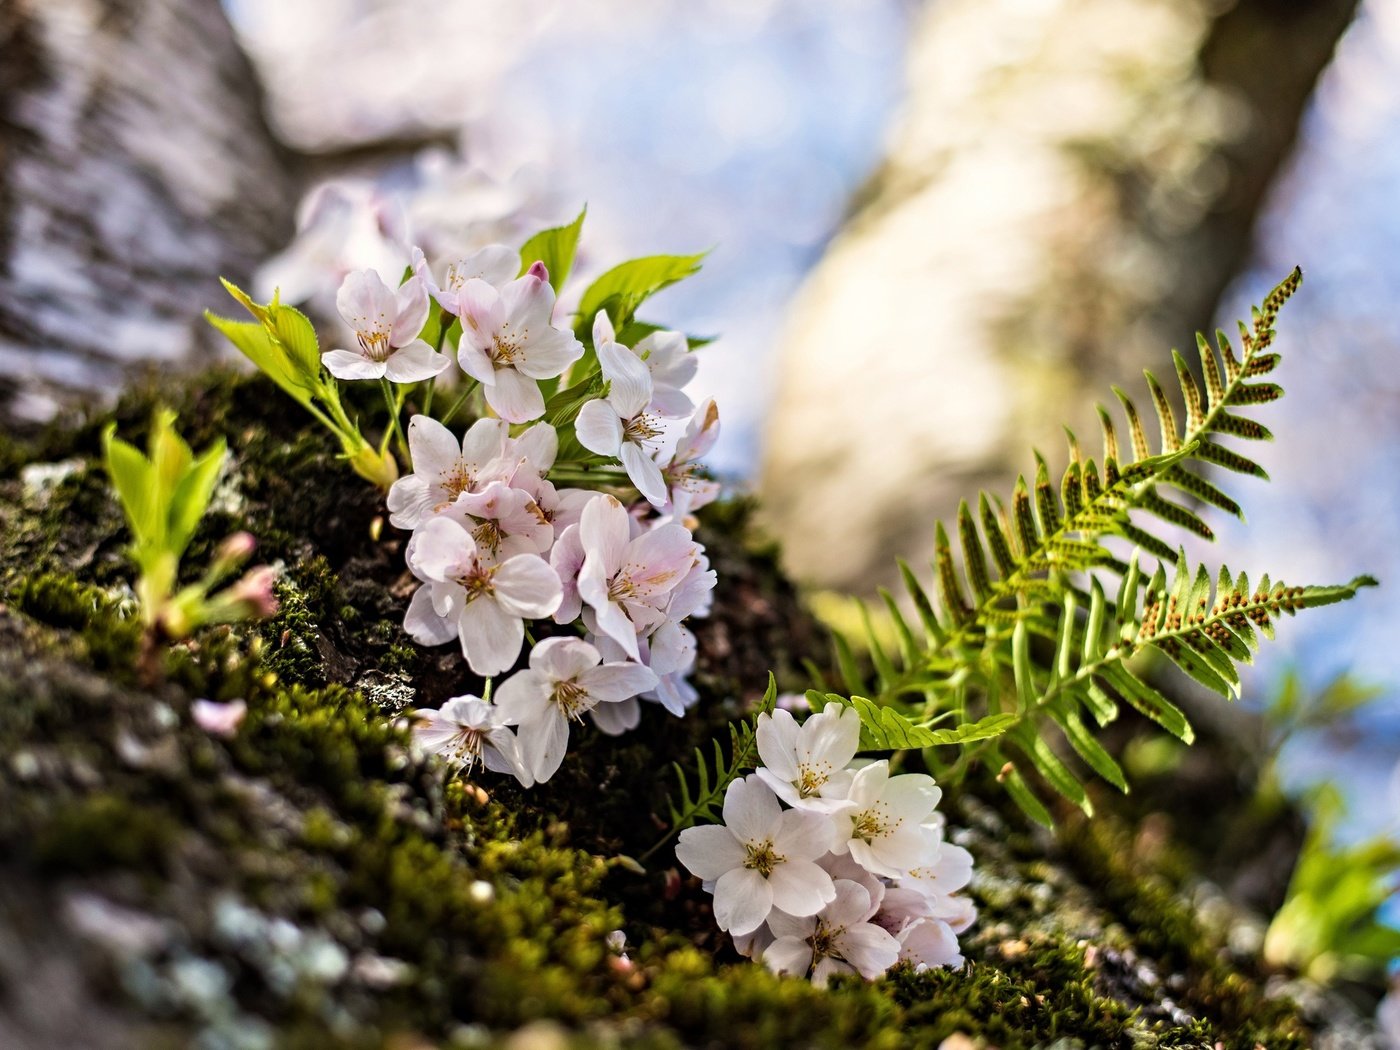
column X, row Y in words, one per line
column 625, row 287
column 555, row 248
column 295, row 332
column 1024, row 798
column 130, row 473
column 257, row 345
column 190, row 498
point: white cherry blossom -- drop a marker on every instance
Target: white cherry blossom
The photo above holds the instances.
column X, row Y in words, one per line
column 495, row 264
column 483, row 601
column 565, row 680
column 619, row 424
column 689, row 490
column 386, row 325
column 806, row 764
column 838, row 939
column 627, row 581
column 884, row 825
column 467, row 730
column 671, row 364
column 504, row 521
column 443, row 469
column 509, row 342
column 760, row 858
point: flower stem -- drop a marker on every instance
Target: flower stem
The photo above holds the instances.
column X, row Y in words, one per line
column 393, row 402
column 462, row 400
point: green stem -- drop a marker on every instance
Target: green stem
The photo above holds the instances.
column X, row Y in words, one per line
column 394, row 403
column 467, row 392
column 428, row 397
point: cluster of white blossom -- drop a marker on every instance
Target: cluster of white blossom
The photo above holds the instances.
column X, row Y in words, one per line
column 855, row 876
column 497, row 544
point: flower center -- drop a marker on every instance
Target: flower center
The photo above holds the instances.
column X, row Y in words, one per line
column 872, row 823
column 823, row 940
column 465, row 748
column 374, row 343
column 488, row 535
column 621, row 587
column 639, row 428
column 761, row 857
column 507, row 346
column 477, row 581
column 572, row 698
column 456, row 480
column 811, row 778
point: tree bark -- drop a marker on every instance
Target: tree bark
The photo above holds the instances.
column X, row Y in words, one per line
column 135, row 168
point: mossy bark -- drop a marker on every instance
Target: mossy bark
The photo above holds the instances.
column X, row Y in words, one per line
column 308, row 882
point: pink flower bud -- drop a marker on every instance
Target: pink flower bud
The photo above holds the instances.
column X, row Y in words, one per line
column 255, row 590
column 218, row 719
column 538, row 269
column 237, row 547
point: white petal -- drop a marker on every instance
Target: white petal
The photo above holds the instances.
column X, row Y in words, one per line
column 789, row 955
column 495, row 264
column 743, row 900
column 616, row 719
column 409, row 500
column 659, row 560
column 514, row 397
column 543, row 743
column 802, row 834
column 801, row 888
column 411, row 312
column 618, row 681
column 345, row 364
column 868, row 948
column 538, row 446
column 777, row 736
column 547, row 354
column 709, row 850
column 524, row 697
column 850, row 903
column 604, row 530
column 490, row 636
column 527, row 587
column 563, row 659
column 598, row 427
column 424, row 625
column 751, row 810
column 475, row 363
column 482, row 313
column 441, row 548
column 832, row 735
column 365, row 301
column 415, row 362
column 529, row 304
column 631, row 387
column 431, row 446
column 483, row 442
column 644, row 472
column 603, row 329
column 911, row 796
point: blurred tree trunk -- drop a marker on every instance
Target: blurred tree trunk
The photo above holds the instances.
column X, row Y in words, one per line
column 1070, row 189
column 135, row 168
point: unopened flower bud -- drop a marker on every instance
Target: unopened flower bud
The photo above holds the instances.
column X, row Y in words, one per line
column 538, row 269
column 382, row 470
column 237, row 547
column 255, row 591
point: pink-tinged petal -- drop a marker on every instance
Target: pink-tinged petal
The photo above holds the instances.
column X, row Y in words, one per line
column 346, row 364
column 515, row 397
column 869, row 949
column 929, row 942
column 631, row 387
column 563, row 659
column 659, row 560
column 598, row 427
column 613, row 682
column 548, row 353
column 743, row 900
column 802, row 834
column 482, row 314
column 423, row 624
column 777, row 736
column 441, row 547
column 528, row 302
column 644, row 472
column 801, row 888
column 832, row 736
column 365, row 301
column 490, row 636
column 219, row 719
column 616, row 719
column 669, row 402
column 788, row 955
column 751, row 810
column 709, row 850
column 753, row 945
column 672, row 649
column 432, row 447
column 612, row 621
column 411, row 312
column 484, row 441
column 409, row 501
column 543, row 743
column 700, row 433
column 475, row 363
column 414, row 363
column 524, row 697
column 527, row 587
column 603, row 329
column 566, row 559
column 604, row 530
column 781, row 924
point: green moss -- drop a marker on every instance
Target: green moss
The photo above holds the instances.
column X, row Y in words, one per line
column 414, row 907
